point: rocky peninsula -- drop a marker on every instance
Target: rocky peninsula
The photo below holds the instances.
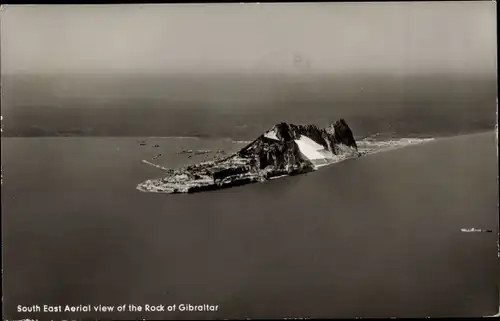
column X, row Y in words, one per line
column 285, row 149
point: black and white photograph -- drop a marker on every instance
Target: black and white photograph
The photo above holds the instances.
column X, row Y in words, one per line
column 249, row 160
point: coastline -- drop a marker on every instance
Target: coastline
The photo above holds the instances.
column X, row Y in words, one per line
column 242, row 141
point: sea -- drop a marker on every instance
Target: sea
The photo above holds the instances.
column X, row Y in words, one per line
column 375, row 236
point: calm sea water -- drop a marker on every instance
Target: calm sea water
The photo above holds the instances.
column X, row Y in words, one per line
column 375, row 236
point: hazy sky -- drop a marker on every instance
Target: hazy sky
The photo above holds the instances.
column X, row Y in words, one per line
column 397, row 38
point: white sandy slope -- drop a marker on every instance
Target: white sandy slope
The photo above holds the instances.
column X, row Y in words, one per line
column 320, row 156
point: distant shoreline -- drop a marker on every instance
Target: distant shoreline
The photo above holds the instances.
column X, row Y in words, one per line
column 416, row 135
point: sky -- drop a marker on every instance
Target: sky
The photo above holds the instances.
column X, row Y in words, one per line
column 388, row 38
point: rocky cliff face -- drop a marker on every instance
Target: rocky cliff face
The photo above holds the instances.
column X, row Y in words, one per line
column 280, row 147
column 343, row 134
column 285, row 149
